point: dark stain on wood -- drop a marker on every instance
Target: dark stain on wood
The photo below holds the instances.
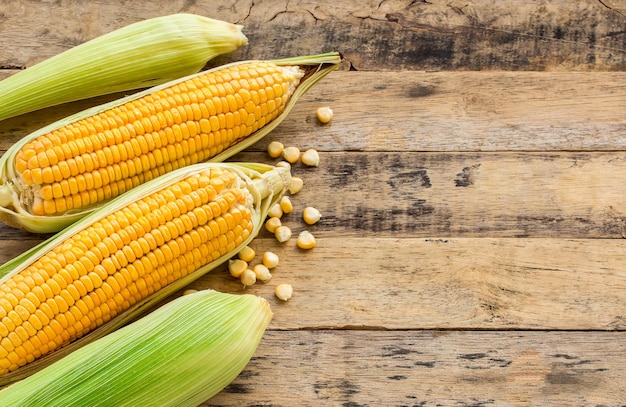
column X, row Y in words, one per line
column 465, row 178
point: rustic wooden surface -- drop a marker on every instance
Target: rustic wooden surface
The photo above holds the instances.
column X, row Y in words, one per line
column 471, row 182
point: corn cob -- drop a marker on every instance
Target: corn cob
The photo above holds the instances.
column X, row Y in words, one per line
column 58, row 174
column 142, row 54
column 181, row 354
column 110, row 265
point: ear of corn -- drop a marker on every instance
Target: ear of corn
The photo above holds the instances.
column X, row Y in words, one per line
column 112, row 265
column 142, row 54
column 181, row 354
column 60, row 173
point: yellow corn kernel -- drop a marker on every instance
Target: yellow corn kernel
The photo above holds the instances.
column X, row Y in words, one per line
column 236, row 267
column 282, row 233
column 246, row 254
column 283, row 292
column 296, row 185
column 291, row 154
column 276, row 211
column 310, row 158
column 311, row 215
column 305, row 240
column 248, row 278
column 272, row 224
column 324, row 114
column 275, row 149
column 270, row 260
column 283, row 164
column 262, row 273
column 286, row 205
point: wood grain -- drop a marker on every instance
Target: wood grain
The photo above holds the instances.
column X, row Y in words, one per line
column 432, row 368
column 373, row 35
column 443, row 111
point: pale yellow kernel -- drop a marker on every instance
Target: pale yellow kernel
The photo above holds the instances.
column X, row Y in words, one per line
column 324, row 114
column 247, row 278
column 283, row 164
column 283, row 292
column 275, row 149
column 311, row 215
column 189, row 291
column 296, row 185
column 270, row 260
column 282, row 233
column 275, row 211
column 246, row 254
column 262, row 273
column 272, row 224
column 285, row 204
column 306, row 240
column 236, row 267
column 310, row 158
column 291, row 154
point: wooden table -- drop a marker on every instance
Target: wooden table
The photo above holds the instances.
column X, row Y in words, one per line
column 472, row 185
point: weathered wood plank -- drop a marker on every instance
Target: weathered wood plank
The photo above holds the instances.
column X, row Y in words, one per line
column 444, row 283
column 370, row 368
column 444, row 111
column 431, row 283
column 373, row 35
column 560, row 194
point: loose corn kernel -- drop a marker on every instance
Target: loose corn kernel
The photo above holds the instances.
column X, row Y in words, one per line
column 272, row 224
column 236, row 267
column 311, row 215
column 248, row 278
column 247, row 254
column 296, row 185
column 324, row 114
column 270, row 260
column 189, row 291
column 306, row 240
column 291, row 154
column 262, row 273
column 310, row 158
column 283, row 291
column 275, row 211
column 282, row 233
column 285, row 204
column 275, row 149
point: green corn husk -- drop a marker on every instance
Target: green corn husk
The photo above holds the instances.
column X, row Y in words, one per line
column 140, row 55
column 14, row 208
column 265, row 184
column 179, row 355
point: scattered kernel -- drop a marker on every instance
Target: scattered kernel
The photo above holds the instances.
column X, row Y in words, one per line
column 324, row 114
column 247, row 254
column 272, row 224
column 189, row 291
column 285, row 204
column 306, row 240
column 247, row 278
column 275, row 149
column 282, row 233
column 284, row 164
column 262, row 273
column 310, row 158
column 291, row 154
column 296, row 185
column 276, row 211
column 236, row 267
column 283, row 291
column 270, row 260
column 311, row 215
